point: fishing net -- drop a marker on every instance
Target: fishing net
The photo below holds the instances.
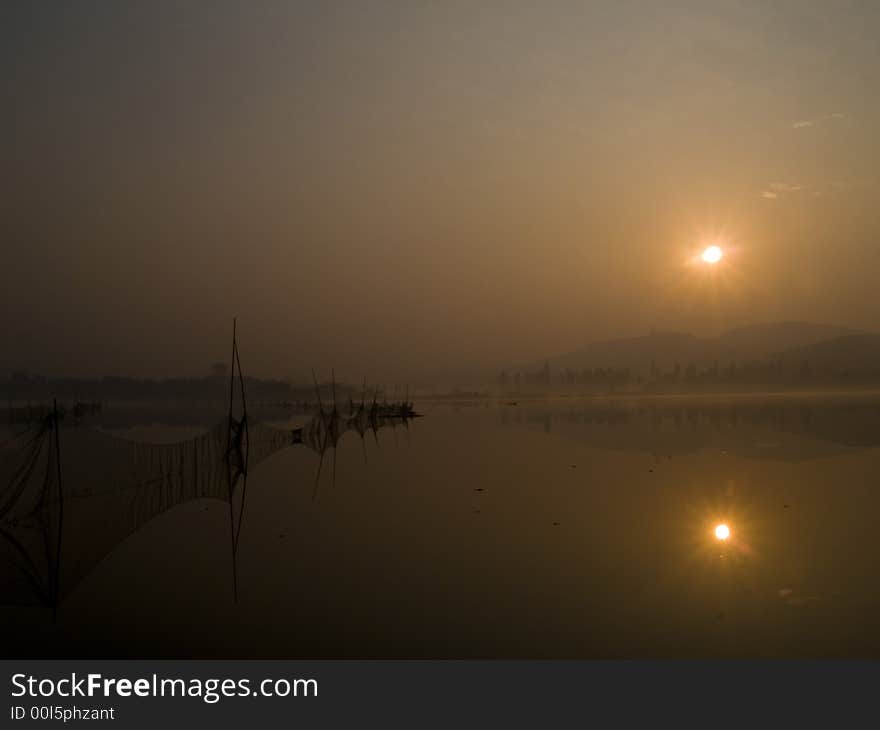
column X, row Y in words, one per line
column 68, row 497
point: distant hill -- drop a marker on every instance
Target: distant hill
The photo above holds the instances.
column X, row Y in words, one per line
column 848, row 355
column 635, row 353
column 760, row 341
column 744, row 344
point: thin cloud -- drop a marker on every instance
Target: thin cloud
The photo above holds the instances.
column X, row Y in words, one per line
column 776, row 190
column 779, row 190
column 851, row 184
column 807, row 123
column 782, row 187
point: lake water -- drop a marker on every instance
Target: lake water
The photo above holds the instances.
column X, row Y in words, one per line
column 564, row 528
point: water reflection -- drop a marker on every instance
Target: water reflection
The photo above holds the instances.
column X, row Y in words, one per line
column 564, row 529
column 784, row 428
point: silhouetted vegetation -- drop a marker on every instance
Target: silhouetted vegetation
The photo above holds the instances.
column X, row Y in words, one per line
column 782, row 374
column 24, row 387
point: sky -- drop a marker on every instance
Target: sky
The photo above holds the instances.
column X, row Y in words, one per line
column 416, row 190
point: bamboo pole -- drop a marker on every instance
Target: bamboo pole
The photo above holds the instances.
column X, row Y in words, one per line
column 56, row 590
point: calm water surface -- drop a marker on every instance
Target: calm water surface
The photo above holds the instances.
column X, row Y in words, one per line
column 558, row 528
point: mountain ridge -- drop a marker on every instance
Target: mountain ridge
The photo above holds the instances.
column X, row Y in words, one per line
column 750, row 343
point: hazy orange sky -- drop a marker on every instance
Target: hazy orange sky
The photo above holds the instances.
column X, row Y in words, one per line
column 406, row 189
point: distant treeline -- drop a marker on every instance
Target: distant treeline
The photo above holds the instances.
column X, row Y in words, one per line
column 215, row 388
column 691, row 377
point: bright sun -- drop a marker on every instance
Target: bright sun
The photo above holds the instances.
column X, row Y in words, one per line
column 722, row 531
column 712, row 254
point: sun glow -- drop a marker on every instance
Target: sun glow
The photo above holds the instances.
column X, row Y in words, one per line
column 712, row 254
column 722, row 532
